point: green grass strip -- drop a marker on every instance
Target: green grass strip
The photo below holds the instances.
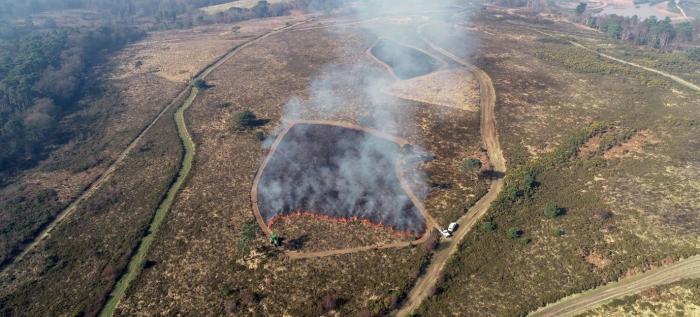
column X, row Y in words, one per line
column 137, row 260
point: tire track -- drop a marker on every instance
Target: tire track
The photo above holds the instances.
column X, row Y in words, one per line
column 582, row 302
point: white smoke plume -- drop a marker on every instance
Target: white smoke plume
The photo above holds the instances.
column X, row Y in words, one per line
column 348, row 174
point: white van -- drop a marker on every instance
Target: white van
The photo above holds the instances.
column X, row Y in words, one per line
column 452, row 227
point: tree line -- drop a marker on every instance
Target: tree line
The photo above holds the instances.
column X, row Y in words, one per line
column 652, row 32
column 163, row 14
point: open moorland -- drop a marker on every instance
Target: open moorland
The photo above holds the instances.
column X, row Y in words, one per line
column 306, row 165
column 611, row 163
column 230, row 267
column 88, row 243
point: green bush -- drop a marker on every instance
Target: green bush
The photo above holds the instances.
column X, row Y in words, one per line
column 489, row 226
column 694, row 54
column 609, row 141
column 243, row 120
column 248, row 234
column 551, row 210
column 201, row 83
column 514, row 232
column 225, row 290
column 558, row 232
column 583, row 61
column 471, row 164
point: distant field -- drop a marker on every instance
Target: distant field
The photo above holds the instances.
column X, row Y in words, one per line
column 243, row 4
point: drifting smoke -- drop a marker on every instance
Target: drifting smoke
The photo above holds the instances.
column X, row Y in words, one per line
column 345, row 173
column 340, row 172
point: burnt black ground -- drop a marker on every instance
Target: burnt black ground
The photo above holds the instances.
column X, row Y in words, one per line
column 406, row 62
column 338, row 172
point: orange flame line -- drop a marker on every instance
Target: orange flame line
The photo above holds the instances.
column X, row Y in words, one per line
column 367, row 222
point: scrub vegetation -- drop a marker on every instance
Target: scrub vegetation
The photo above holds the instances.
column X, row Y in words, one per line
column 603, row 158
column 558, row 206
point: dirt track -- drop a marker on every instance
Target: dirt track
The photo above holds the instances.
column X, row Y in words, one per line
column 426, row 283
column 582, row 302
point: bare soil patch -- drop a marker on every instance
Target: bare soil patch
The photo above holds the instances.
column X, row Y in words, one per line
column 634, row 144
column 596, row 259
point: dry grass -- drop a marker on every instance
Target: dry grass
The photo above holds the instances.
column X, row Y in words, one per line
column 90, row 248
column 177, row 55
column 242, row 4
column 449, row 88
column 129, row 104
column 311, row 234
column 540, row 104
column 201, row 249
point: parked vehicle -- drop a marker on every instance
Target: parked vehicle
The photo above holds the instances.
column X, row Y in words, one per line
column 452, row 227
column 445, row 233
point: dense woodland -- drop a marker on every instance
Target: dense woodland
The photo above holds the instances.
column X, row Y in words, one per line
column 161, row 14
column 42, row 75
column 651, row 32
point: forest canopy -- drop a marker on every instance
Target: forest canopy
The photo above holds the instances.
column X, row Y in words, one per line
column 42, row 75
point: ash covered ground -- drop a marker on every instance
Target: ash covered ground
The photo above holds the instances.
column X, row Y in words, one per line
column 337, row 172
column 406, row 62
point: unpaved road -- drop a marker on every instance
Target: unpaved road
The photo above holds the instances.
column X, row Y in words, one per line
column 653, row 70
column 426, row 283
column 582, row 302
column 675, row 78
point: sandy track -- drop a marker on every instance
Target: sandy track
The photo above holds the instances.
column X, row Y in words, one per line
column 582, row 302
column 426, row 283
column 653, row 70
